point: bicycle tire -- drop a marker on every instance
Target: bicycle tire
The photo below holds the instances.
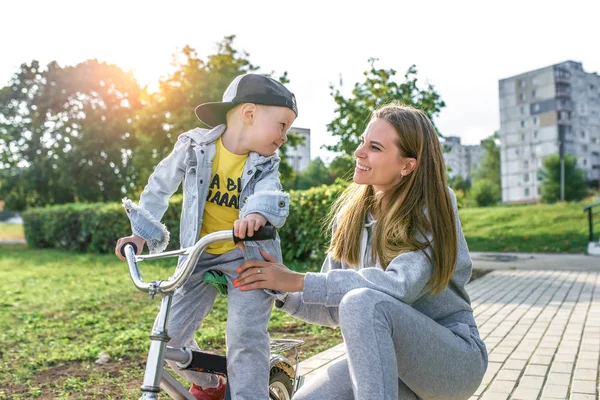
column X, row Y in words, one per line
column 280, row 385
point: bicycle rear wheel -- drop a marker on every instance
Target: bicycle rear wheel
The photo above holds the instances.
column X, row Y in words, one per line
column 280, row 385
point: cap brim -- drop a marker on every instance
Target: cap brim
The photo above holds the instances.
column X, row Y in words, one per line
column 213, row 114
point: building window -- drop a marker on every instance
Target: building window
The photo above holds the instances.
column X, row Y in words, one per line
column 533, row 94
column 534, row 81
column 539, row 190
column 583, row 134
column 585, row 162
column 536, row 107
column 584, row 148
column 539, row 176
column 536, row 121
column 522, row 83
column 517, row 151
column 526, row 192
column 522, row 123
column 522, row 110
column 535, row 134
column 525, row 177
column 523, row 97
column 526, row 164
column 522, row 137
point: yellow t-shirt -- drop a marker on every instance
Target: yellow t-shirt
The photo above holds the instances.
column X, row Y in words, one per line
column 223, row 200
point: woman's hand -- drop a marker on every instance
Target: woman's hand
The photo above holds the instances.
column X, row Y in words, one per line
column 138, row 241
column 269, row 274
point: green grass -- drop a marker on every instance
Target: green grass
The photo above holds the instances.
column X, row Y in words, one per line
column 527, row 228
column 59, row 310
column 11, row 231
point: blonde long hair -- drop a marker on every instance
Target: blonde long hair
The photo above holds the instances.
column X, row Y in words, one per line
column 418, row 205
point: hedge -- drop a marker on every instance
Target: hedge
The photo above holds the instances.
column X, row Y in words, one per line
column 96, row 227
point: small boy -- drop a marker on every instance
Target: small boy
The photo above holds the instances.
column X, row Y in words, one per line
column 230, row 178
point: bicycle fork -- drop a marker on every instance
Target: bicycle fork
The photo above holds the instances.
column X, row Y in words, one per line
column 155, row 377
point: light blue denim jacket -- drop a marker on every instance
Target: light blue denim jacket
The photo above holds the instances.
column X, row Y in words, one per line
column 190, row 162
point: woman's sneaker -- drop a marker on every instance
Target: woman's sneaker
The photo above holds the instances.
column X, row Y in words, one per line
column 217, row 393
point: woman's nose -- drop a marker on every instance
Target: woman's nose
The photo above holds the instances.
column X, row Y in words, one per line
column 359, row 153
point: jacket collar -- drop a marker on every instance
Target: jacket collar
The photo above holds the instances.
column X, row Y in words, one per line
column 208, row 136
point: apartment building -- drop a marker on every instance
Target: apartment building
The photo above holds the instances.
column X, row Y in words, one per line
column 299, row 156
column 462, row 159
column 542, row 111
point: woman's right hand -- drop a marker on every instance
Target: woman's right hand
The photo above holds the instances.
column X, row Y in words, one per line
column 138, row 241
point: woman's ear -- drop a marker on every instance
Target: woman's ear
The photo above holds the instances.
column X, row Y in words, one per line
column 409, row 166
column 248, row 112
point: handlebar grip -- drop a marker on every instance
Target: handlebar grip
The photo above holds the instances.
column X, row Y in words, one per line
column 122, row 249
column 267, row 232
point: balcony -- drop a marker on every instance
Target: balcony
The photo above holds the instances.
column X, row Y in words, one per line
column 562, row 75
column 564, row 105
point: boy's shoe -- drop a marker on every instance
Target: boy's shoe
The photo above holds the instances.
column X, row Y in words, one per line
column 217, row 393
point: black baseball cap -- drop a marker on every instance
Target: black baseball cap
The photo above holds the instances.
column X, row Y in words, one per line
column 247, row 88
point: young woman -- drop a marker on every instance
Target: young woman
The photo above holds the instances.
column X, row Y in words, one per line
column 394, row 277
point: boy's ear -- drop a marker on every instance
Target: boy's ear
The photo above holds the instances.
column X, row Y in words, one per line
column 248, row 112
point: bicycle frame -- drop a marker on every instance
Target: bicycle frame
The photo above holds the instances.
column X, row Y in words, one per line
column 155, row 377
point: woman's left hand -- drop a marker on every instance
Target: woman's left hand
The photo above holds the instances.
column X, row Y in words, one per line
column 269, row 274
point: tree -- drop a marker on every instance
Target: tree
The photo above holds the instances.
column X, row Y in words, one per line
column 575, row 182
column 378, row 89
column 64, row 133
column 316, row 174
column 459, row 183
column 486, row 189
column 489, row 168
column 484, row 192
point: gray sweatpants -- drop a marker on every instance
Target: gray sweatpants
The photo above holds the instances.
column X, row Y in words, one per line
column 246, row 333
column 396, row 352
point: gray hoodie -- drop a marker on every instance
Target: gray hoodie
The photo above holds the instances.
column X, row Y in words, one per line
column 405, row 279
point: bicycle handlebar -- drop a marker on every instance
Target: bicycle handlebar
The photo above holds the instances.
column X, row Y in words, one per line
column 129, row 250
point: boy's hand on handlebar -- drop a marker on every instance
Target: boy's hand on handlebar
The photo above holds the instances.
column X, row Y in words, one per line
column 138, row 241
column 268, row 274
column 248, row 225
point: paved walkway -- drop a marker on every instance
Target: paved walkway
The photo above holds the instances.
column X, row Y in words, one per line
column 542, row 330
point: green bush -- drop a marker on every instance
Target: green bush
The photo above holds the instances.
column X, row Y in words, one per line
column 96, row 227
column 304, row 236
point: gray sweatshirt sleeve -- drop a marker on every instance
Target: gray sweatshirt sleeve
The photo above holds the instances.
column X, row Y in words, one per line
column 313, row 313
column 405, row 278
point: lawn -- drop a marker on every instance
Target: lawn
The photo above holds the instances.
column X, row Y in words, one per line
column 527, row 228
column 11, row 231
column 60, row 310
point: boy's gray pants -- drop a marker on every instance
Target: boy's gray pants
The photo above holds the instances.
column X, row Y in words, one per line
column 247, row 319
column 396, row 352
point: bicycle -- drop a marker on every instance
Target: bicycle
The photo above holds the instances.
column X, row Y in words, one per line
column 284, row 380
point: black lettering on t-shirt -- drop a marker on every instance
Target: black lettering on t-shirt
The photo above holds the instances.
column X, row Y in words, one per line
column 231, row 185
column 224, row 199
column 215, row 182
column 216, row 198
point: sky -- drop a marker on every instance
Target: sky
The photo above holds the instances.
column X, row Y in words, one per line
column 461, row 47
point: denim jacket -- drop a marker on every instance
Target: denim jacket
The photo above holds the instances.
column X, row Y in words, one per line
column 190, row 162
